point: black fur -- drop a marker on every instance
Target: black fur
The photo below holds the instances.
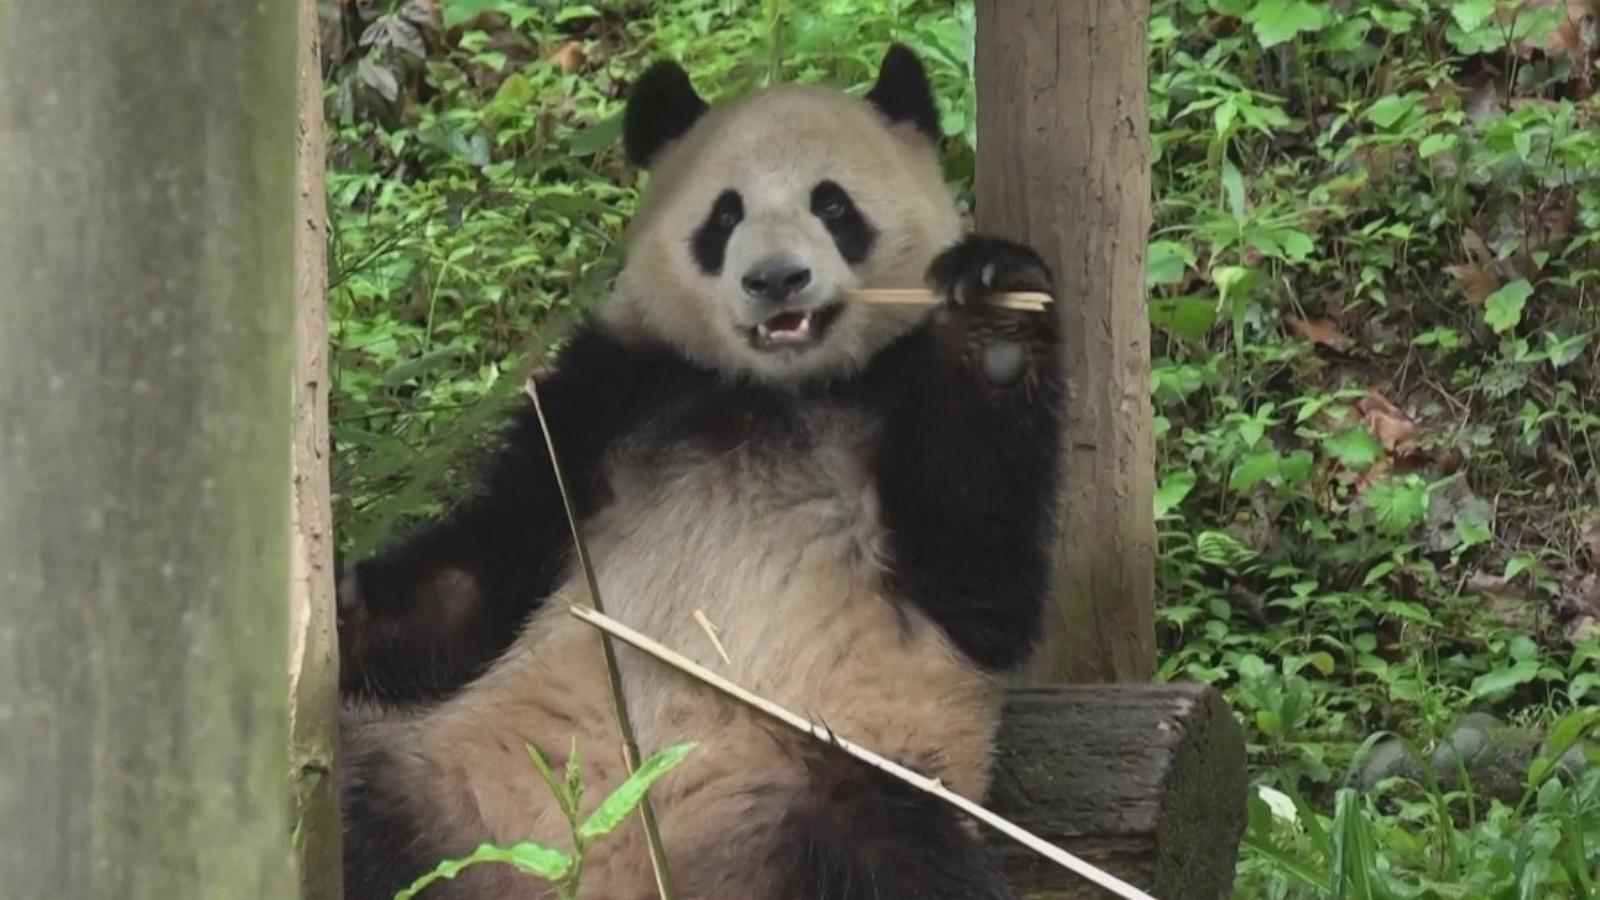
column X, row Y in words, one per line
column 902, row 92
column 662, row 107
column 862, row 835
column 852, row 233
column 401, row 638
column 710, row 243
column 384, row 846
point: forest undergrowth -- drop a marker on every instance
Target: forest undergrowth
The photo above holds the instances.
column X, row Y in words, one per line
column 1375, row 304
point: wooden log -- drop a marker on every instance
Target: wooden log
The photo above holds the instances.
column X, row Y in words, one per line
column 1144, row 781
column 1063, row 164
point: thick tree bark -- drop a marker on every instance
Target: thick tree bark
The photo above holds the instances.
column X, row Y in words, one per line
column 1063, row 164
column 313, row 656
column 146, row 166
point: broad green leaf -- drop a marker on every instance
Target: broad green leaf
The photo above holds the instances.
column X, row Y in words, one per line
column 1166, row 261
column 615, row 808
column 1502, row 310
column 1356, row 448
column 1391, row 108
column 455, row 12
column 1501, row 680
column 1276, row 21
column 1174, row 487
column 596, row 137
column 1188, row 317
column 1436, row 143
column 1253, row 469
column 1470, row 14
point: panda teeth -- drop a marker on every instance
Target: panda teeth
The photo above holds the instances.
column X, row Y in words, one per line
column 800, row 332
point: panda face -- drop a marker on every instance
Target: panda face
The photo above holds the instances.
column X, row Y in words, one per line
column 760, row 213
column 776, row 254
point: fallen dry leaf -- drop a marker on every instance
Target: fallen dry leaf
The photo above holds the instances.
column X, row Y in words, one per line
column 1318, row 331
column 1395, row 430
column 1589, row 535
column 1475, row 245
column 1477, row 283
column 569, row 57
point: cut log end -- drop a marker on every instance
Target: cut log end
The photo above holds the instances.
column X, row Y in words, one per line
column 1145, row 781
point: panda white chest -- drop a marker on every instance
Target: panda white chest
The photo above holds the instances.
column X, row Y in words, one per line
column 774, row 540
column 774, row 543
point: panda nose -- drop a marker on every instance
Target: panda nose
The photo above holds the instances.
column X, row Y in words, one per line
column 775, row 281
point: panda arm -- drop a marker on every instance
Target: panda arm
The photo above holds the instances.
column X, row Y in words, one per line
column 968, row 467
column 431, row 611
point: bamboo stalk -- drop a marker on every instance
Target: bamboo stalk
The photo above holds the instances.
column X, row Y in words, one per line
column 1025, row 301
column 933, row 786
column 630, row 745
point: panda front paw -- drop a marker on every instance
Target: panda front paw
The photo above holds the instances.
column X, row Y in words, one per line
column 970, row 276
column 979, row 268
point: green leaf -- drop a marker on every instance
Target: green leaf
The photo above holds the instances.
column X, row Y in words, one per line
column 1254, row 469
column 1502, row 310
column 1174, row 487
column 455, row 12
column 427, row 362
column 534, row 859
column 1356, row 448
column 596, row 137
column 1391, row 108
column 1276, row 21
column 1400, row 504
column 1471, row 14
column 1233, row 187
column 1188, row 317
column 575, row 12
column 1501, row 680
column 614, row 809
column 1166, row 261
column 1436, row 143
column 1222, row 549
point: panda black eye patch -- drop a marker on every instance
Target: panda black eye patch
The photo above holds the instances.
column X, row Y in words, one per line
column 852, row 233
column 710, row 242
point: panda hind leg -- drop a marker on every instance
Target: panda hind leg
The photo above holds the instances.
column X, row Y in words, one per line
column 860, row 835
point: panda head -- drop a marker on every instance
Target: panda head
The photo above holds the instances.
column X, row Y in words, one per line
column 760, row 212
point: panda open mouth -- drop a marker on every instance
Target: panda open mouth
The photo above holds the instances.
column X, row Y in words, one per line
column 795, row 328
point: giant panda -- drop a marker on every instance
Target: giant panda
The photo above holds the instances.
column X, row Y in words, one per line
column 859, row 499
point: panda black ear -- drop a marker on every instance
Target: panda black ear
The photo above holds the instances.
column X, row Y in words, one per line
column 662, row 106
column 902, row 92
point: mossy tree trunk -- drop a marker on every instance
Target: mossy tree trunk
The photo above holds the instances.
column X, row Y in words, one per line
column 1063, row 164
column 146, row 285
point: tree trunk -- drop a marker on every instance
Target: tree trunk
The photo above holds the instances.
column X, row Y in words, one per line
column 313, row 656
column 1063, row 165
column 146, row 273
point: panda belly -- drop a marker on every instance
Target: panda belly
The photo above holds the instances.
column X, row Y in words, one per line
column 776, row 543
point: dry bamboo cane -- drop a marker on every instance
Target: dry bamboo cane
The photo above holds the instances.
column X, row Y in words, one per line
column 611, row 627
column 1025, row 301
